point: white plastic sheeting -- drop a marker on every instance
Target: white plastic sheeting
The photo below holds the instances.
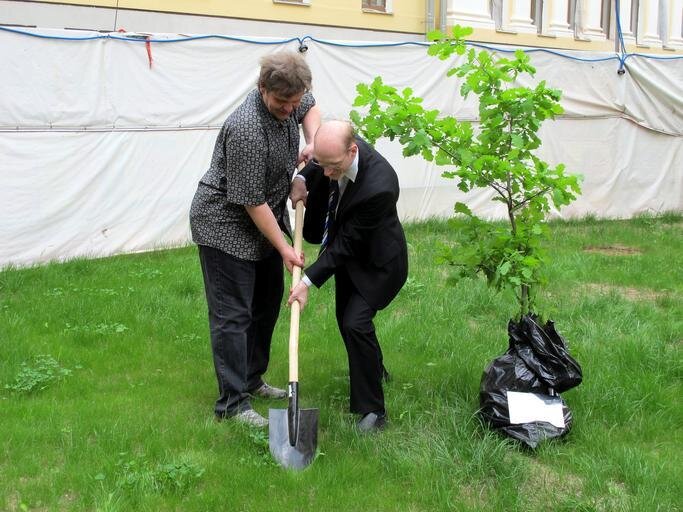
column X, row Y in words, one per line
column 101, row 153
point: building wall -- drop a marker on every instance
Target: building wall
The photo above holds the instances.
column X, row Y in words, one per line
column 648, row 26
column 332, row 19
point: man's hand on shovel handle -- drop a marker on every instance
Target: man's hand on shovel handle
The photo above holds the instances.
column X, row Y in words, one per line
column 300, row 294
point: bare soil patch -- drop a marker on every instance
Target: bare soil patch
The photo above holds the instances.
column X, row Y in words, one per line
column 627, row 292
column 613, row 250
column 544, row 481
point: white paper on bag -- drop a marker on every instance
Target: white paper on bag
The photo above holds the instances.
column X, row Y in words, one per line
column 529, row 407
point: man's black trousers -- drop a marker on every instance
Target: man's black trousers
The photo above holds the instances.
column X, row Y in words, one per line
column 354, row 318
column 244, row 300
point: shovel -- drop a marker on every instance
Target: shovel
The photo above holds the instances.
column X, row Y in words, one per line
column 293, row 432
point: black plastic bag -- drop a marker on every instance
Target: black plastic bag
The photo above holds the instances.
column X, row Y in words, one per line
column 545, row 353
column 536, row 362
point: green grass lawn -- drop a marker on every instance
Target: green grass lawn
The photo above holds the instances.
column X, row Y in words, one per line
column 126, row 422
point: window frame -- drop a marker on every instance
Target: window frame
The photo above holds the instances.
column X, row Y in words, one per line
column 306, row 3
column 387, row 8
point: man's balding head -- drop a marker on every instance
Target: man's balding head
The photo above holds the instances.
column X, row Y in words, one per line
column 335, row 147
column 335, row 134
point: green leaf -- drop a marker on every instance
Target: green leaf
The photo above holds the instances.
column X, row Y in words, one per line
column 463, row 209
column 558, row 197
column 355, row 117
column 517, row 141
column 435, row 35
column 461, row 32
column 530, row 261
column 443, row 158
column 466, row 156
column 362, row 89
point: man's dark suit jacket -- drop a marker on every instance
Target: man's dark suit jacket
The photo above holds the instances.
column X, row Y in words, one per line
column 366, row 237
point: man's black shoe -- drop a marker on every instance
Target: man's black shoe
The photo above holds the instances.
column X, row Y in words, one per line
column 372, row 422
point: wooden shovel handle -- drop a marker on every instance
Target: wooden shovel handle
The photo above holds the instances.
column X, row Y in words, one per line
column 296, row 308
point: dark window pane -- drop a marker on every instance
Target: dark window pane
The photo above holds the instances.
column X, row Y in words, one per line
column 605, row 16
column 537, row 13
column 375, row 5
column 634, row 17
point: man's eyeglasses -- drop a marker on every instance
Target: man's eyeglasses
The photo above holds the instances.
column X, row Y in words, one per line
column 336, row 166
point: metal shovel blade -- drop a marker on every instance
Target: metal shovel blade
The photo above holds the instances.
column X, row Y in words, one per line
column 300, row 452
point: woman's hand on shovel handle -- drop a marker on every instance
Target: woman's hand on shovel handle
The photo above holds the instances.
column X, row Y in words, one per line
column 300, row 294
column 306, row 154
column 298, row 192
column 291, row 258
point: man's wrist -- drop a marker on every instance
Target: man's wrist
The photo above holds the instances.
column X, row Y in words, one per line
column 305, row 280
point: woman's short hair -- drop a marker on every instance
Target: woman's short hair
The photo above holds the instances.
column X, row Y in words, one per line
column 285, row 74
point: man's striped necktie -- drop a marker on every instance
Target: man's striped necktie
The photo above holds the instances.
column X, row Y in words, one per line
column 332, row 201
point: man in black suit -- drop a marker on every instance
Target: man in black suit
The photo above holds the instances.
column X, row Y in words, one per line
column 362, row 245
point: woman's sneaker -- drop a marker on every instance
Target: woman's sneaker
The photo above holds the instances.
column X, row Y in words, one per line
column 251, row 417
column 268, row 391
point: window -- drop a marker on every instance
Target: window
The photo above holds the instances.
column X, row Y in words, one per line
column 293, row 2
column 589, row 19
column 634, row 17
column 375, row 5
column 571, row 14
column 605, row 15
column 537, row 14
